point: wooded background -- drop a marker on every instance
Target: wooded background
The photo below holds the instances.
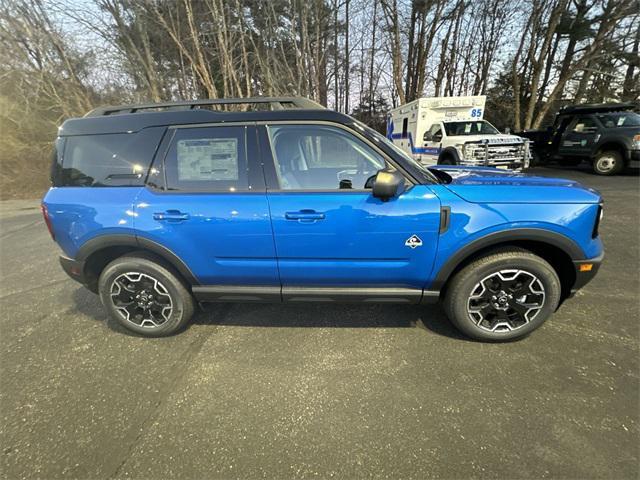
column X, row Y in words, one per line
column 61, row 58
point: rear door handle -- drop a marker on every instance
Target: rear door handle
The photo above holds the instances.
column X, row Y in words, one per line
column 304, row 216
column 171, row 216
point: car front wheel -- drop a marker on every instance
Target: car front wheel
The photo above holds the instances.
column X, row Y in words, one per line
column 145, row 296
column 502, row 296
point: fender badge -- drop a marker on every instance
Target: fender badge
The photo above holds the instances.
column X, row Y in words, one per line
column 413, row 241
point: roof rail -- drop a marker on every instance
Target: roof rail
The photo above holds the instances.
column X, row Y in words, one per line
column 276, row 103
column 598, row 107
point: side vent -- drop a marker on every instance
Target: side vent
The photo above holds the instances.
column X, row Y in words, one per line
column 445, row 219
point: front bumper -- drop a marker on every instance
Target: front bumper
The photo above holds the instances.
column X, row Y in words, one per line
column 584, row 273
column 634, row 159
column 506, row 165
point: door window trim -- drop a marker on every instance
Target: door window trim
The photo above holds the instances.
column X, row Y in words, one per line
column 268, row 158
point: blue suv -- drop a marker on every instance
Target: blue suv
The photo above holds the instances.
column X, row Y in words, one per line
column 159, row 207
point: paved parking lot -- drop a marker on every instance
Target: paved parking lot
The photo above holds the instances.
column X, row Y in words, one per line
column 271, row 391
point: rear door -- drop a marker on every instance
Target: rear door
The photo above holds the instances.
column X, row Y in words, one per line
column 329, row 229
column 205, row 201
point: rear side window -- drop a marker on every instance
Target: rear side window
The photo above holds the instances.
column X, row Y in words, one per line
column 207, row 159
column 110, row 160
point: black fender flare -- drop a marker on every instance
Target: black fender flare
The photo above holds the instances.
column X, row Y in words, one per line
column 124, row 240
column 538, row 235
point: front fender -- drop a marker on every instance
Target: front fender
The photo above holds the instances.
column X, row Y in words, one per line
column 475, row 226
column 443, row 269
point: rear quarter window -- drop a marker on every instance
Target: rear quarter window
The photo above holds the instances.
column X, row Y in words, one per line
column 110, row 160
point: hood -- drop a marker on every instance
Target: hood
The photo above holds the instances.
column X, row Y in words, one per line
column 490, row 185
column 490, row 139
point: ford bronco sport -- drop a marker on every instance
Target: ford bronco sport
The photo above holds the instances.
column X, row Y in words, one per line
column 160, row 207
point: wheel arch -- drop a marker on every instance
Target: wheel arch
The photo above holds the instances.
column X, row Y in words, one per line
column 611, row 145
column 559, row 250
column 98, row 252
column 449, row 152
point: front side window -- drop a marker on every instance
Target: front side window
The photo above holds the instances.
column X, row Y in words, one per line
column 435, row 130
column 318, row 157
column 208, row 159
column 585, row 125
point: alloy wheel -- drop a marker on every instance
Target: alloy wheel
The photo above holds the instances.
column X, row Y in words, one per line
column 506, row 300
column 141, row 299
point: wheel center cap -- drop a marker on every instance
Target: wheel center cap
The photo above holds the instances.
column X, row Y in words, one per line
column 501, row 300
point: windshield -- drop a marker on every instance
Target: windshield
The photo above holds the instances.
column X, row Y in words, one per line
column 622, row 119
column 379, row 138
column 480, row 127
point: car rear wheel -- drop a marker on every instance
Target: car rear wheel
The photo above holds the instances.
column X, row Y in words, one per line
column 145, row 296
column 502, row 296
column 608, row 163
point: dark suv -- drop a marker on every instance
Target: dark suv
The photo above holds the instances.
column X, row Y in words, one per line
column 159, row 207
column 607, row 135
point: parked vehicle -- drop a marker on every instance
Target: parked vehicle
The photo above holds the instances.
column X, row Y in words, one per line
column 451, row 131
column 606, row 135
column 158, row 207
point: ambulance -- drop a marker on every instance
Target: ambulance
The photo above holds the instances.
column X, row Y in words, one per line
column 451, row 131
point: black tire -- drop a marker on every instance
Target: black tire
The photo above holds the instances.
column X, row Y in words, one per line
column 447, row 159
column 608, row 163
column 481, row 274
column 571, row 162
column 147, row 277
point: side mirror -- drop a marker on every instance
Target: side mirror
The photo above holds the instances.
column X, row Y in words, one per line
column 427, row 137
column 437, row 137
column 387, row 184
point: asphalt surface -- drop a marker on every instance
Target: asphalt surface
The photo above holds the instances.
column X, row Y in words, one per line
column 317, row 391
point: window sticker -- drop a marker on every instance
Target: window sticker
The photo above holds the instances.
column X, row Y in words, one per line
column 208, row 159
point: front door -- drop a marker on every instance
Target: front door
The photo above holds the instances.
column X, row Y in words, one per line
column 432, row 144
column 206, row 202
column 331, row 234
column 579, row 138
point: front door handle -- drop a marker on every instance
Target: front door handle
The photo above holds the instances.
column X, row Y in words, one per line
column 304, row 216
column 171, row 216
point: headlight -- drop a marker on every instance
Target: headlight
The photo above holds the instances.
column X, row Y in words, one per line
column 596, row 226
column 636, row 142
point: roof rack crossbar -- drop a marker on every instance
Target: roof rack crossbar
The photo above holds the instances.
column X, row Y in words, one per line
column 275, row 102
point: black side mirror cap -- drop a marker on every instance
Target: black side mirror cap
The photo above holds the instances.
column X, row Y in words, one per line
column 387, row 184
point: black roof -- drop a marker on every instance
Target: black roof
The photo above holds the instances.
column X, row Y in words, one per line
column 132, row 118
column 597, row 108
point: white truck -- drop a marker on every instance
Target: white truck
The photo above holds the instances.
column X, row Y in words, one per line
column 451, row 131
